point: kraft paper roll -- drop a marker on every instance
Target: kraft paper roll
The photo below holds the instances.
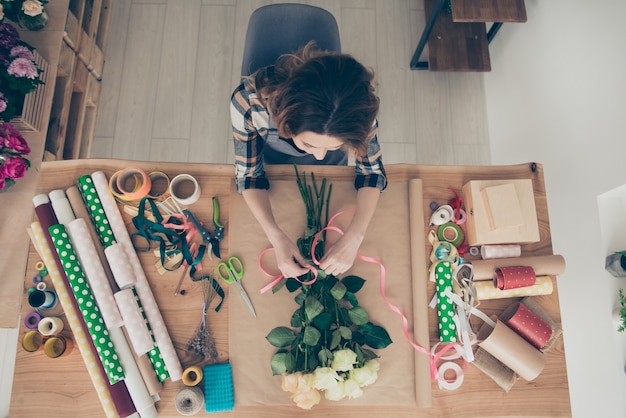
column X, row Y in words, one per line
column 527, row 324
column 486, row 290
column 96, row 275
column 155, row 319
column 543, row 265
column 420, row 292
column 87, row 304
column 492, row 367
column 61, row 206
column 50, row 325
column 488, row 252
column 148, row 374
column 140, row 336
column 513, row 277
column 95, row 210
column 445, row 307
column 80, row 210
column 121, row 268
column 94, row 369
column 512, row 350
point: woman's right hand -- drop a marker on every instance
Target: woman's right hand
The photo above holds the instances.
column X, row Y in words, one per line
column 288, row 258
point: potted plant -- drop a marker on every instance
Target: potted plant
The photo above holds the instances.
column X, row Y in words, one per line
column 620, row 313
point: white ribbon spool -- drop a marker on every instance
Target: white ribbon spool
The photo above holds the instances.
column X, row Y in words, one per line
column 443, row 214
column 179, row 191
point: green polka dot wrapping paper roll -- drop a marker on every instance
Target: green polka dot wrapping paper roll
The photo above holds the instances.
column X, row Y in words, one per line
column 445, row 307
column 87, row 304
column 96, row 210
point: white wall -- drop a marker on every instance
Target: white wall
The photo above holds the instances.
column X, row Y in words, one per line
column 557, row 95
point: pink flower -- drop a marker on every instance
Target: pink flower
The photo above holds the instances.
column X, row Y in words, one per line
column 32, row 7
column 2, row 182
column 15, row 167
column 13, row 139
column 3, row 103
column 22, row 67
column 21, row 51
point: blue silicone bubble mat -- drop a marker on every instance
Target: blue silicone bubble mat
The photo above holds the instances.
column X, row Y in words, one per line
column 219, row 394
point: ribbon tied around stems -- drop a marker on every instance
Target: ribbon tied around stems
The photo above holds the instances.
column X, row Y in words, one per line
column 434, row 355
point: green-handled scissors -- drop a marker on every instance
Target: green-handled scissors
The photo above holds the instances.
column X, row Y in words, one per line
column 232, row 272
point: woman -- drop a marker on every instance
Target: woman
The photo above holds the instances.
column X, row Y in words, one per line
column 311, row 107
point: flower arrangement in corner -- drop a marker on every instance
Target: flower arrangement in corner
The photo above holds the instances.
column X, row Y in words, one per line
column 328, row 350
column 29, row 14
column 13, row 148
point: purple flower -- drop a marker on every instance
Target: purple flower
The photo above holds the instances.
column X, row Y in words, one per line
column 8, row 29
column 21, row 51
column 22, row 67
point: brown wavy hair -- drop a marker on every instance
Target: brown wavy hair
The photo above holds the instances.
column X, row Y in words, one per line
column 323, row 92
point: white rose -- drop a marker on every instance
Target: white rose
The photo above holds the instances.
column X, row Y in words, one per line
column 326, row 378
column 343, row 360
column 1, row 12
column 307, row 397
column 337, row 393
column 289, row 382
column 367, row 374
column 352, row 388
column 32, row 7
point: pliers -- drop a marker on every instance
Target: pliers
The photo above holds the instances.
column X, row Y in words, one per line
column 207, row 237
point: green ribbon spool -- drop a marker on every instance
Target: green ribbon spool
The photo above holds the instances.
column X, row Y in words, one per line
column 96, row 210
column 87, row 304
column 154, row 354
column 445, row 307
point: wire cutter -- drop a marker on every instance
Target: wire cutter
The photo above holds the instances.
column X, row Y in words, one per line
column 211, row 241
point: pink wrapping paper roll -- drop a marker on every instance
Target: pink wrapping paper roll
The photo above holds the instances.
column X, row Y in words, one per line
column 488, row 252
column 92, row 266
column 512, row 350
column 121, row 268
column 528, row 324
column 486, row 290
column 514, row 276
column 151, row 309
column 544, row 265
column 138, row 332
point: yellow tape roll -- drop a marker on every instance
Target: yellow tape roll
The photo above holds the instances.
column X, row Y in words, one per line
column 159, row 185
column 192, row 376
column 32, row 341
column 55, row 347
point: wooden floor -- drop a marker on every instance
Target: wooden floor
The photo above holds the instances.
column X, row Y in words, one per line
column 171, row 66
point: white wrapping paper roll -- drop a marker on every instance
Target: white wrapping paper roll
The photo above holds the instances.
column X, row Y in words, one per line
column 123, row 272
column 61, row 206
column 92, row 266
column 488, row 252
column 151, row 309
column 138, row 332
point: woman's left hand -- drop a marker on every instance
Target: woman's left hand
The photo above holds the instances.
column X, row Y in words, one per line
column 341, row 255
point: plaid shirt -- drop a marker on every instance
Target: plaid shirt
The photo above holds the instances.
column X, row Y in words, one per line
column 251, row 128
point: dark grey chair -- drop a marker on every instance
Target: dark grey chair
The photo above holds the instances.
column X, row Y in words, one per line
column 278, row 29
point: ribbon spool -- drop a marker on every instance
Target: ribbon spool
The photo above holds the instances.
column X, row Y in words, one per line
column 189, row 401
column 31, row 341
column 192, row 376
column 31, row 320
column 129, row 184
column 42, row 299
column 442, row 215
column 159, row 185
column 184, row 189
column 55, row 346
column 40, row 265
column 50, row 325
column 451, row 233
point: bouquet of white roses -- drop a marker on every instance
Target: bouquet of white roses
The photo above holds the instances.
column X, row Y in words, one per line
column 328, row 350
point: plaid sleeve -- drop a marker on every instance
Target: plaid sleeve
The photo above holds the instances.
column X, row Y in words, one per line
column 248, row 138
column 369, row 169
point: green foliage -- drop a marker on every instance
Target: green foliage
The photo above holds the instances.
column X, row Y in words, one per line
column 622, row 311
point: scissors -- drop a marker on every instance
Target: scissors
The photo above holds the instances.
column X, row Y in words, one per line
column 210, row 240
column 232, row 272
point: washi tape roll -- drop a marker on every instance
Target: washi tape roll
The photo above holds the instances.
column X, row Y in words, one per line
column 451, row 233
column 449, row 384
column 133, row 183
column 445, row 307
column 513, row 277
column 40, row 265
column 159, row 185
column 41, row 286
column 31, row 341
column 528, row 324
column 185, row 189
column 31, row 320
column 55, row 346
column 488, row 252
column 485, row 290
column 189, row 401
column 96, row 211
column 50, row 325
column 192, row 376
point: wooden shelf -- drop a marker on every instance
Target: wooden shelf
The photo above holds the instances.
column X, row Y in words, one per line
column 488, row 11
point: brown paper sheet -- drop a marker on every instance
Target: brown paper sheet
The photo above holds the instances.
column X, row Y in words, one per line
column 387, row 239
column 544, row 265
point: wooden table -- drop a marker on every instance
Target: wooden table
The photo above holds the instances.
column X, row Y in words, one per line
column 62, row 387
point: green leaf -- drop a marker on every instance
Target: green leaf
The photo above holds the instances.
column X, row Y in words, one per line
column 353, row 283
column 350, row 297
column 321, row 274
column 323, row 321
column 377, row 337
column 279, row 285
column 311, row 336
column 293, row 285
column 281, row 337
column 335, row 340
column 297, row 320
column 338, row 290
column 282, row 362
column 312, row 307
column 300, row 299
column 325, row 355
column 358, row 315
column 346, row 333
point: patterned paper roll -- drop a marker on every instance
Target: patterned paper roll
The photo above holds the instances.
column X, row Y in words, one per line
column 512, row 350
column 486, row 290
column 96, row 211
column 146, row 296
column 98, row 281
column 155, row 356
column 120, row 265
column 445, row 307
column 528, row 324
column 513, row 277
column 543, row 265
column 87, row 304
column 61, row 206
column 488, row 252
column 96, row 374
column 140, row 336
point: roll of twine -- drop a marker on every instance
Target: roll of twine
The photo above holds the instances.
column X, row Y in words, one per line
column 189, row 401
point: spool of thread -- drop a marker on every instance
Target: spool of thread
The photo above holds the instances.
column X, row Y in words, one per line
column 55, row 346
column 31, row 320
column 42, row 299
column 31, row 341
column 192, row 376
column 184, row 189
column 189, row 401
column 50, row 325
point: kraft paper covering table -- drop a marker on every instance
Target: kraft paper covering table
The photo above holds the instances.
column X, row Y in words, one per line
column 61, row 386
